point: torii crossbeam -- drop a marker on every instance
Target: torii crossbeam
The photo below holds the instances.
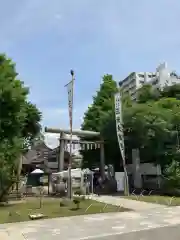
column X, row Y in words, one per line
column 62, row 139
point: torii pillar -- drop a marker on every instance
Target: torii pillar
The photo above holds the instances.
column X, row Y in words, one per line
column 61, row 152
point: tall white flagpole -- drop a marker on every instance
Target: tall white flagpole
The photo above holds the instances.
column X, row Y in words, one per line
column 120, row 136
column 70, row 88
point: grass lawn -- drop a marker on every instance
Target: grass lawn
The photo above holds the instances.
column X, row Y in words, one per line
column 164, row 200
column 51, row 208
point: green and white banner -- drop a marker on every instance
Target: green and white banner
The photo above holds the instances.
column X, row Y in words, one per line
column 119, row 123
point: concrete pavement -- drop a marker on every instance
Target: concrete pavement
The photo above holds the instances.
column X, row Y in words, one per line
column 126, row 203
column 126, row 225
column 165, row 233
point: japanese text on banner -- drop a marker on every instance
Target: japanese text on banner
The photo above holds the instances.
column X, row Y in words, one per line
column 119, row 126
column 70, row 100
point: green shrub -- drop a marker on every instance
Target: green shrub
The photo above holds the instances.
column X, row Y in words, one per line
column 77, row 201
column 63, row 203
column 79, row 192
column 83, row 198
column 172, row 175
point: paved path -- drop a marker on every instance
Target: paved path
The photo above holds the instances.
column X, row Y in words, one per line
column 126, row 203
column 165, row 233
column 125, row 226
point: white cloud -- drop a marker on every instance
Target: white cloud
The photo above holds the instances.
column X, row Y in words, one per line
column 59, row 117
column 52, row 140
column 54, row 112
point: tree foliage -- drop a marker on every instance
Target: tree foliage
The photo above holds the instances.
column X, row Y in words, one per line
column 148, row 93
column 19, row 121
column 152, row 124
column 31, row 128
column 93, row 118
column 153, row 129
column 172, row 175
column 102, row 104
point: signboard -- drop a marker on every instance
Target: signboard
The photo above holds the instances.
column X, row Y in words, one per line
column 119, row 176
column 78, row 145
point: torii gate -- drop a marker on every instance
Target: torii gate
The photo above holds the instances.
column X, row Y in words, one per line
column 62, row 143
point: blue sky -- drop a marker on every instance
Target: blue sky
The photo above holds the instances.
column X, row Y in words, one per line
column 94, row 37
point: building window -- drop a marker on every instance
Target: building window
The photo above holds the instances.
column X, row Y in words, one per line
column 141, row 81
column 141, row 75
column 132, row 88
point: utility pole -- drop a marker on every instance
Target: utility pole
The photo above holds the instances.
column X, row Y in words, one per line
column 70, row 88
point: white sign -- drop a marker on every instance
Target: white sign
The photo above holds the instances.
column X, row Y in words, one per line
column 119, row 176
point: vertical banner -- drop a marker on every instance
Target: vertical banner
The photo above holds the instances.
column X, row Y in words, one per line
column 119, row 126
column 70, row 86
column 120, row 135
column 70, row 101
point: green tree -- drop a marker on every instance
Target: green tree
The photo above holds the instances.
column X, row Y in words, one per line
column 108, row 131
column 171, row 91
column 153, row 128
column 152, row 124
column 31, row 129
column 148, row 93
column 19, row 122
column 172, row 176
column 102, row 105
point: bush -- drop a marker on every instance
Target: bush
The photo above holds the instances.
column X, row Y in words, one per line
column 77, row 201
column 80, row 192
column 172, row 175
column 83, row 198
column 63, row 203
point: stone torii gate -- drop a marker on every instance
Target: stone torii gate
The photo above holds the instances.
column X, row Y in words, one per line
column 63, row 140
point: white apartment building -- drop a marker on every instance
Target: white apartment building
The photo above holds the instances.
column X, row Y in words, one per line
column 161, row 78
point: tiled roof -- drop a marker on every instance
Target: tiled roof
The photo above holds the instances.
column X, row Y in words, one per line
column 40, row 153
column 37, row 154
